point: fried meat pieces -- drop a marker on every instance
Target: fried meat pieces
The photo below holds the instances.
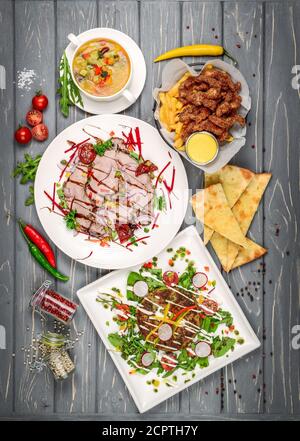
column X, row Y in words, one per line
column 211, row 101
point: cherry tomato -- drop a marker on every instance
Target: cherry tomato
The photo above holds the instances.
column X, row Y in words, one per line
column 23, row 135
column 34, row 117
column 125, row 309
column 170, row 278
column 124, row 231
column 168, row 364
column 40, row 132
column 87, row 153
column 39, row 101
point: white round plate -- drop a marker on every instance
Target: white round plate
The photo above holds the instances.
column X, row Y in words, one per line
column 154, row 149
column 138, row 71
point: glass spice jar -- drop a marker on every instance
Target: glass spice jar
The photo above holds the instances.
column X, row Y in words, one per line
column 52, row 348
column 52, row 303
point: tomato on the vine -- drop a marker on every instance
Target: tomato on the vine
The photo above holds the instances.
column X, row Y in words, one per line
column 23, row 135
column 40, row 132
column 34, row 117
column 39, row 101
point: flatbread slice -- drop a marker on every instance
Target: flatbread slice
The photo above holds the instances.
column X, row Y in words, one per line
column 212, row 209
column 244, row 211
column 234, row 181
column 246, row 255
column 208, row 232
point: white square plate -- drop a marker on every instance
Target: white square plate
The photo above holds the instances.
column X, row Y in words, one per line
column 143, row 394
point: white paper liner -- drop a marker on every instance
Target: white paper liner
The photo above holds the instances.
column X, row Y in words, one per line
column 171, row 73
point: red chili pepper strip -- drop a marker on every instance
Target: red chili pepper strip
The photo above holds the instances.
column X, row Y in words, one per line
column 188, row 308
column 170, row 188
column 154, row 222
column 74, row 145
column 161, row 172
column 39, row 241
column 137, row 240
column 138, row 141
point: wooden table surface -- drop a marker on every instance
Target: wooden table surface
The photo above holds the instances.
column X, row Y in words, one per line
column 265, row 38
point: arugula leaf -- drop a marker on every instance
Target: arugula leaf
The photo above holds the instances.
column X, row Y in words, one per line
column 116, row 340
column 203, row 362
column 27, row 170
column 30, row 199
column 68, row 90
column 70, row 220
column 185, row 280
column 101, row 147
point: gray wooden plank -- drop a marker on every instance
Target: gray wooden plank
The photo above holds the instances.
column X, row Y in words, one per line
column 123, row 16
column 34, row 50
column 7, row 200
column 112, row 394
column 159, row 31
column 78, row 393
column 243, row 37
column 201, row 23
column 282, row 208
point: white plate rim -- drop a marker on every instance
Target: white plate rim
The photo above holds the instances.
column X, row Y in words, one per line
column 138, row 75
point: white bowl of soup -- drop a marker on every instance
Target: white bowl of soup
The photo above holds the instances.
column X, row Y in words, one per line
column 101, row 68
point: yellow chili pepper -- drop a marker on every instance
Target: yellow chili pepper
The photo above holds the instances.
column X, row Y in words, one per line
column 195, row 50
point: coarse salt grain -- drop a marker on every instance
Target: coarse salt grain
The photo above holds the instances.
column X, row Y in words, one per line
column 25, row 78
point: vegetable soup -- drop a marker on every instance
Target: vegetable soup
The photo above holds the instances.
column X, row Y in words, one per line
column 101, row 67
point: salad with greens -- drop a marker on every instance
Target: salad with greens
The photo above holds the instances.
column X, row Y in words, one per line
column 169, row 322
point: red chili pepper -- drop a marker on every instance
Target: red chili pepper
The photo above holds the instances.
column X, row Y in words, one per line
column 40, row 242
column 148, row 265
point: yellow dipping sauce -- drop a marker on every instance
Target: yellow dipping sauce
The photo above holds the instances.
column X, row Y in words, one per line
column 202, row 147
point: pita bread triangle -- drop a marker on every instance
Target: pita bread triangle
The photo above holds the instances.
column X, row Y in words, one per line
column 234, row 181
column 244, row 211
column 212, row 209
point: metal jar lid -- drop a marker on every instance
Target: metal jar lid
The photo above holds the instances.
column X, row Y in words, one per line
column 38, row 296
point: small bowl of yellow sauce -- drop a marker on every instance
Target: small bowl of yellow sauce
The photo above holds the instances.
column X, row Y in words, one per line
column 202, row 148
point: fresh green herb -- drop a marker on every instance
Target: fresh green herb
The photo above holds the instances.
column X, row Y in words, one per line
column 101, row 147
column 185, row 280
column 134, row 156
column 68, row 90
column 159, row 202
column 118, row 174
column 146, row 230
column 62, row 199
column 27, row 170
column 70, row 220
column 221, row 346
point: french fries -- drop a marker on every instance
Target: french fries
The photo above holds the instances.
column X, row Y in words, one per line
column 170, row 107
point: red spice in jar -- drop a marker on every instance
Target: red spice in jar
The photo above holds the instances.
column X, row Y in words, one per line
column 52, row 303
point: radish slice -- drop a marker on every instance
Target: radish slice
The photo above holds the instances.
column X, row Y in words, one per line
column 199, row 280
column 202, row 349
column 147, row 359
column 140, row 288
column 165, row 332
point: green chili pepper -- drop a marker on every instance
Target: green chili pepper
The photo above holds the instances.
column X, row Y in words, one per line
column 41, row 259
